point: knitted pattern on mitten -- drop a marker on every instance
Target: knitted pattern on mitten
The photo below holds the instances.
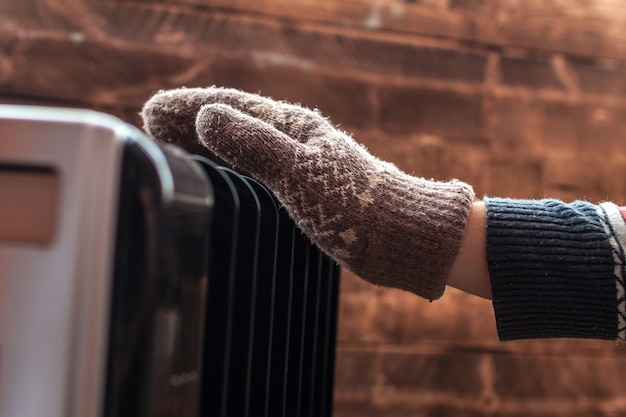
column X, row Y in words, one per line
column 388, row 227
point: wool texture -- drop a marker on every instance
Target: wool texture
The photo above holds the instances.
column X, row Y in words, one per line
column 557, row 269
column 388, row 227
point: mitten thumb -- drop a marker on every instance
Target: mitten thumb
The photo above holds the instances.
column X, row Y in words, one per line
column 247, row 143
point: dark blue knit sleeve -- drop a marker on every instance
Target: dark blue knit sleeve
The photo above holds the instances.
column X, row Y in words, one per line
column 556, row 269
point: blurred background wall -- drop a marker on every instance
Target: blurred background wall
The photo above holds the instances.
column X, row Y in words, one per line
column 519, row 98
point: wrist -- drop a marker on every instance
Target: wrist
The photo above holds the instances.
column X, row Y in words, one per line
column 469, row 272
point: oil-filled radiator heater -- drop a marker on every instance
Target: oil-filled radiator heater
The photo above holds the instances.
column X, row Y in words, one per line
column 139, row 280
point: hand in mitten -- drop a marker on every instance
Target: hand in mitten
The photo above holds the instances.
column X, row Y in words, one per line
column 390, row 228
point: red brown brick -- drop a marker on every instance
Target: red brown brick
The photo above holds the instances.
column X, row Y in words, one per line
column 347, row 101
column 455, row 374
column 514, row 175
column 564, row 177
column 408, row 110
column 392, row 316
column 345, row 51
column 593, row 78
column 357, row 373
column 415, row 61
column 88, row 72
column 515, row 125
column 34, row 15
column 552, row 379
column 527, row 72
column 537, row 125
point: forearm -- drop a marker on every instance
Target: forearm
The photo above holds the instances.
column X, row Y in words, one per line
column 469, row 272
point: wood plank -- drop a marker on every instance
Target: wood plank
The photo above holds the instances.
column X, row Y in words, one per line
column 590, row 28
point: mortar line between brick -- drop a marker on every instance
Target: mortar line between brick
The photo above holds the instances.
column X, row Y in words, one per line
column 464, row 87
column 403, row 37
column 488, row 393
column 492, row 79
column 565, row 75
column 492, row 348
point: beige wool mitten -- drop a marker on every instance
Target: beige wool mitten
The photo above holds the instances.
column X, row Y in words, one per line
column 386, row 226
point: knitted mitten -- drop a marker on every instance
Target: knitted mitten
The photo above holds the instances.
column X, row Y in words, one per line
column 388, row 227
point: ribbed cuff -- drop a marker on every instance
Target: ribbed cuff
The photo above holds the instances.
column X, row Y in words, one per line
column 553, row 269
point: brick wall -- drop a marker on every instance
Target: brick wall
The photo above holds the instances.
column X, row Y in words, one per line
column 520, row 99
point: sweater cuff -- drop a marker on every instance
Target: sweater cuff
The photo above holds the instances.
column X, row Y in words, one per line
column 557, row 269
